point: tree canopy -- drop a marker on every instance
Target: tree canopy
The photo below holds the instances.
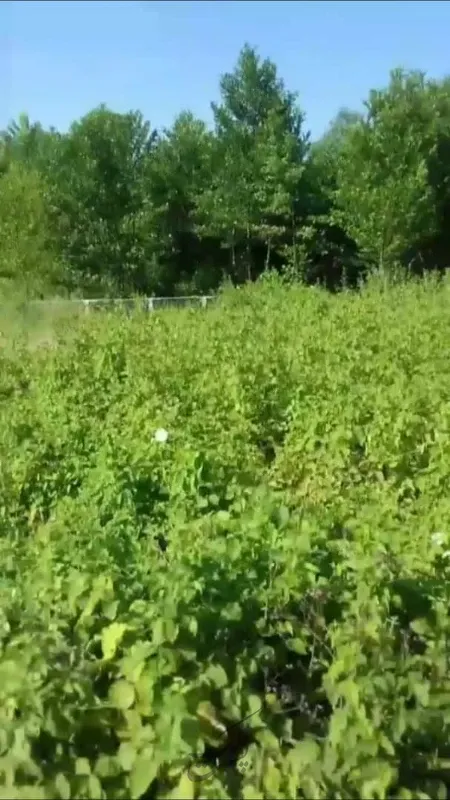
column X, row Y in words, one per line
column 116, row 207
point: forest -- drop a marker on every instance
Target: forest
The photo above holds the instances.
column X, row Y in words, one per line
column 114, row 207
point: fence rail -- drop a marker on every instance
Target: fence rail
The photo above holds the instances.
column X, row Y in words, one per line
column 146, row 303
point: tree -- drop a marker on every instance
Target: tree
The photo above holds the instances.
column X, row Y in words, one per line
column 279, row 156
column 178, row 173
column 433, row 250
column 28, row 261
column 125, row 208
column 257, row 161
column 330, row 255
column 99, row 199
column 383, row 198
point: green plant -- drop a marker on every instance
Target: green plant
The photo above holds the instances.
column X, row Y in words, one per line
column 255, row 604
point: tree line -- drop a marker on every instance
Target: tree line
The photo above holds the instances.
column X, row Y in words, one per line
column 114, row 207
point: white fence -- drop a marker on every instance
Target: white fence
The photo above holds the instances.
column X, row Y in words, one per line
column 146, row 303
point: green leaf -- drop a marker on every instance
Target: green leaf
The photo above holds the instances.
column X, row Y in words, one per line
column 420, row 626
column 111, row 638
column 185, row 789
column 254, row 704
column 110, row 609
column 304, row 753
column 232, row 612
column 251, row 793
column 297, row 646
column 121, row 695
column 421, row 690
column 82, row 766
column 164, row 630
column 281, row 516
column 143, row 772
column 216, row 675
column 271, row 778
column 191, row 734
column 62, row 786
column 126, row 756
column 95, row 788
column 267, row 739
column 107, row 767
column 441, row 791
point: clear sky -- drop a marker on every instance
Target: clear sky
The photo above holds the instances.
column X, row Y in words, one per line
column 58, row 60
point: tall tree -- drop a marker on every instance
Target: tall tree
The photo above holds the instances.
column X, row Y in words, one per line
column 329, row 252
column 99, row 198
column 178, row 172
column 28, row 143
column 259, row 148
column 384, row 200
column 127, row 209
column 28, row 258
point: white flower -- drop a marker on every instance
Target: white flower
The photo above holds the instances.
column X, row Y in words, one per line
column 438, row 538
column 161, row 435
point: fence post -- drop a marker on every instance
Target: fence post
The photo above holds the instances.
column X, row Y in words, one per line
column 150, row 304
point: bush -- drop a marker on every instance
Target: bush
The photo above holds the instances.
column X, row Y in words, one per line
column 257, row 606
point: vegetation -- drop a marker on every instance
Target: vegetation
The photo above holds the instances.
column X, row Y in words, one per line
column 115, row 207
column 224, row 534
column 238, row 514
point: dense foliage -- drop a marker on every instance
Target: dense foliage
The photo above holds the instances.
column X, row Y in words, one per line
column 233, row 514
column 114, row 206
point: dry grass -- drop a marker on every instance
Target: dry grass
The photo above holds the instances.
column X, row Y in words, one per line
column 36, row 325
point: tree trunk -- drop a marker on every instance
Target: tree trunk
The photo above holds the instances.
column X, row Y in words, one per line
column 268, row 254
column 249, row 255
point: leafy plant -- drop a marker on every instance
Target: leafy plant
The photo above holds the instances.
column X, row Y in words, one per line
column 226, row 574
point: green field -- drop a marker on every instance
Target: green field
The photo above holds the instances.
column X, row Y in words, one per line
column 283, row 558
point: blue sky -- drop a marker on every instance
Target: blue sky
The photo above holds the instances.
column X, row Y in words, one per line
column 60, row 59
